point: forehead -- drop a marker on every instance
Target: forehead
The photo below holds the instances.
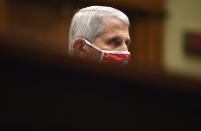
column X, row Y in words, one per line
column 115, row 26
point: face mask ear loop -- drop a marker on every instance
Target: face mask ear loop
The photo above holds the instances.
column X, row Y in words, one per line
column 102, row 53
column 101, row 58
column 88, row 43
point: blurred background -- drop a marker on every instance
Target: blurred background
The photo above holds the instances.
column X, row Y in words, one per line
column 160, row 90
column 158, row 30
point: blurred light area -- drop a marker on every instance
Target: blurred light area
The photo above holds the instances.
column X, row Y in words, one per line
column 183, row 16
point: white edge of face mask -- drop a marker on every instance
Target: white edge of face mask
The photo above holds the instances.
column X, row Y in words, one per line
column 116, row 52
column 106, row 51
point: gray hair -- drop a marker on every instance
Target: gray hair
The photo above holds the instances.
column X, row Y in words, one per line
column 86, row 23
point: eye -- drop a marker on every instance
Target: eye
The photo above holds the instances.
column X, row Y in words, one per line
column 127, row 42
column 116, row 41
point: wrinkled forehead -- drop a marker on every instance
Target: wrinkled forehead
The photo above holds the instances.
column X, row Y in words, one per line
column 114, row 29
column 112, row 23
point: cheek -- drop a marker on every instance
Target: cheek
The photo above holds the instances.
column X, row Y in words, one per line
column 123, row 47
column 105, row 46
column 101, row 42
column 114, row 47
column 92, row 54
column 108, row 47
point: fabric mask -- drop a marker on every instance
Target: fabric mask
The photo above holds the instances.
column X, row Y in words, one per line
column 117, row 57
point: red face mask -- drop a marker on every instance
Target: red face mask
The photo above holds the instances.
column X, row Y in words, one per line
column 117, row 57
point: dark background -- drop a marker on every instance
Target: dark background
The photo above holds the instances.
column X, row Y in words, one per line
column 57, row 94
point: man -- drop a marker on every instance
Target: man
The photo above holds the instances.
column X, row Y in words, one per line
column 100, row 33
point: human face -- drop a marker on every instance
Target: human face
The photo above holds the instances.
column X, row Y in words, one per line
column 115, row 37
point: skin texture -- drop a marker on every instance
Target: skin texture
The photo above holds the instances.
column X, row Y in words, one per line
column 115, row 38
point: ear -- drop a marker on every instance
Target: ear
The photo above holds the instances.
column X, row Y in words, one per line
column 78, row 45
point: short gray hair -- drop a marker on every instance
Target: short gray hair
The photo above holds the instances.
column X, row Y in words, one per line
column 86, row 23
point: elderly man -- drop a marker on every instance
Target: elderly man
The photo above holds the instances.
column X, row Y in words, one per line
column 100, row 33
